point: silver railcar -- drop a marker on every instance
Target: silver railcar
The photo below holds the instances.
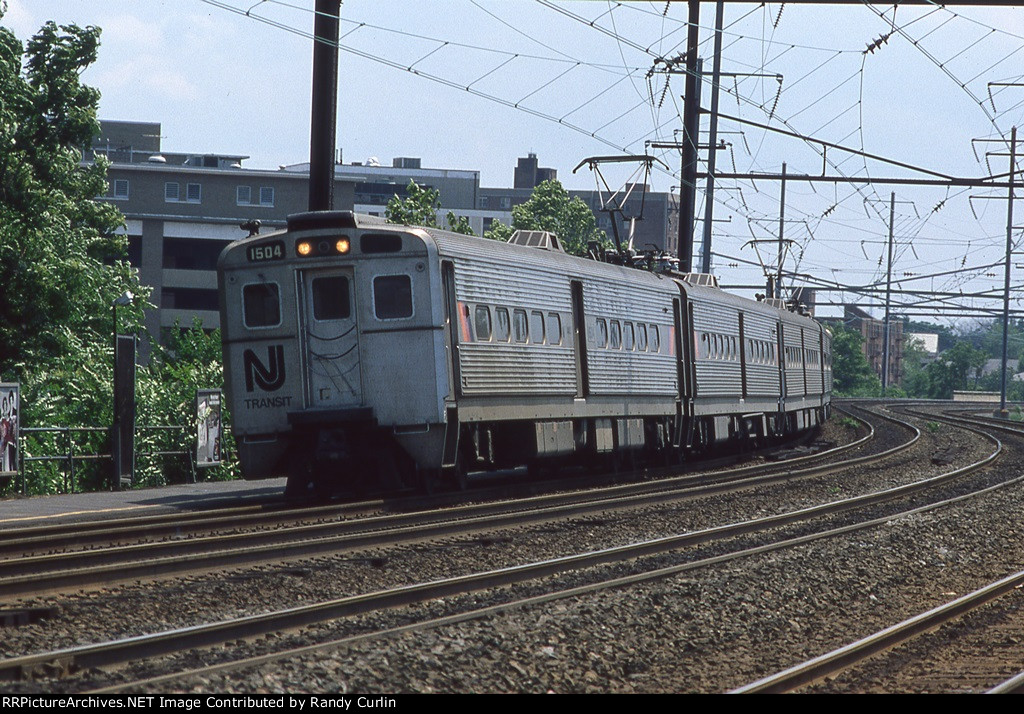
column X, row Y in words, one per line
column 360, row 354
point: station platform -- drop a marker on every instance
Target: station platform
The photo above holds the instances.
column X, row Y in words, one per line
column 24, row 512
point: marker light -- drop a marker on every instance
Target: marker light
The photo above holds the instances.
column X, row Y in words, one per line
column 342, row 245
column 304, row 247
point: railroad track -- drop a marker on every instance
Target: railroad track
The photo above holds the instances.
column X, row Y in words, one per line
column 99, row 567
column 161, row 643
column 105, row 533
column 857, row 653
column 927, row 674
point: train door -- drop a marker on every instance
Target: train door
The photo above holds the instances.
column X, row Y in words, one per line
column 580, row 340
column 331, row 340
column 743, row 357
column 783, row 363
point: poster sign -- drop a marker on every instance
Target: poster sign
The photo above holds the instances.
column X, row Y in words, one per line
column 10, row 407
column 208, row 429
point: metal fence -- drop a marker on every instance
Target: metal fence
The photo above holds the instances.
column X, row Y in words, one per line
column 160, row 450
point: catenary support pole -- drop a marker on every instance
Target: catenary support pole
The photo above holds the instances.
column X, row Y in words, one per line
column 709, row 205
column 691, row 129
column 888, row 296
column 1006, row 271
column 324, row 105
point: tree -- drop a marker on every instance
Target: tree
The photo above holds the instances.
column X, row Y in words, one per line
column 63, row 261
column 951, row 370
column 550, row 209
column 59, row 250
column 852, row 376
column 420, row 208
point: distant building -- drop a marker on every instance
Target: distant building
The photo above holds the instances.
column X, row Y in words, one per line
column 529, row 175
column 657, row 229
column 994, row 366
column 928, row 341
column 873, row 346
column 183, row 208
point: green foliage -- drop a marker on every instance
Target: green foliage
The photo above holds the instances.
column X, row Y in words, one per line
column 190, row 359
column 551, row 209
column 420, row 208
column 63, row 263
column 933, row 427
column 952, row 371
column 499, row 231
column 852, row 376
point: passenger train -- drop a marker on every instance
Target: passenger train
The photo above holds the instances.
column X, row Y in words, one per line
column 362, row 355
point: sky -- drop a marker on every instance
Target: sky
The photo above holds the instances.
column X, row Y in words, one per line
column 475, row 84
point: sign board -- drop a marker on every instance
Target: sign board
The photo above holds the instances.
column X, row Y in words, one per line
column 208, row 427
column 10, row 408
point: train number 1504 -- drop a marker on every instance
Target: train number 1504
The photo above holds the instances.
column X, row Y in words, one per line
column 267, row 251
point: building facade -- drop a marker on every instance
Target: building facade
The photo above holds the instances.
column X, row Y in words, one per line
column 181, row 209
column 873, row 333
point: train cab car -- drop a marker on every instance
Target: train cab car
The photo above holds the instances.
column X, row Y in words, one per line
column 330, row 332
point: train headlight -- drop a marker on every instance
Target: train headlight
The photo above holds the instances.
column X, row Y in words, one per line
column 342, row 245
column 304, row 247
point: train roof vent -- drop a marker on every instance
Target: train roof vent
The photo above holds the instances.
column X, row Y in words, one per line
column 705, row 279
column 537, row 239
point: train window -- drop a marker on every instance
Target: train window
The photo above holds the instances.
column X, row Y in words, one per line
column 261, row 305
column 482, row 323
column 554, row 329
column 628, row 338
column 655, row 339
column 519, row 326
column 641, row 337
column 501, row 324
column 331, row 298
column 380, row 243
column 537, row 327
column 615, row 335
column 602, row 332
column 392, row 297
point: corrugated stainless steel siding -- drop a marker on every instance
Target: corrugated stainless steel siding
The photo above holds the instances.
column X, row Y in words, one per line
column 503, row 368
column 716, row 377
column 621, row 371
column 762, row 379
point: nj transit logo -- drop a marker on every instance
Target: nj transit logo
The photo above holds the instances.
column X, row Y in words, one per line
column 270, row 376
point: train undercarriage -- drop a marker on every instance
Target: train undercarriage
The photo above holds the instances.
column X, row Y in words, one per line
column 357, row 458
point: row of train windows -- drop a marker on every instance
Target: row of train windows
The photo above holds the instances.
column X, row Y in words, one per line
column 515, row 326
column 724, row 347
column 718, row 347
column 797, row 357
column 624, row 335
column 331, row 298
column 761, row 352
